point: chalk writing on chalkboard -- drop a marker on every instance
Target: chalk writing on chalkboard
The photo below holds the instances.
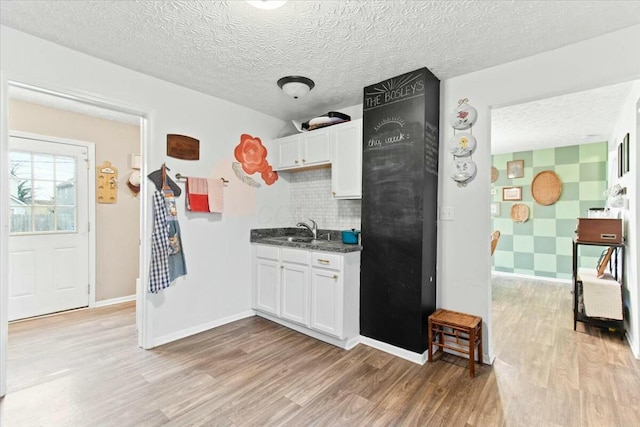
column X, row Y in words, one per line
column 393, row 90
column 431, row 148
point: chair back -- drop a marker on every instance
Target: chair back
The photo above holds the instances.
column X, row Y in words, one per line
column 495, row 236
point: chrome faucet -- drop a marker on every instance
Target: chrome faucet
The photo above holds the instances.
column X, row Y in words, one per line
column 313, row 229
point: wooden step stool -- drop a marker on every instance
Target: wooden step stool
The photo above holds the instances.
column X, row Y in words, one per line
column 451, row 327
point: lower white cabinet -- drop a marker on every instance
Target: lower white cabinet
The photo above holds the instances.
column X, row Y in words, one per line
column 267, row 281
column 316, row 293
column 326, row 302
column 295, row 286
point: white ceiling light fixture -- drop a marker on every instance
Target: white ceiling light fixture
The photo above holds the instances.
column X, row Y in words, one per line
column 296, row 86
column 266, row 4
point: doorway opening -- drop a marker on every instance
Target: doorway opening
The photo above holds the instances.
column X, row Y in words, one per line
column 56, row 144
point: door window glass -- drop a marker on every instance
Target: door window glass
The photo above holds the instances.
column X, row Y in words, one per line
column 43, row 192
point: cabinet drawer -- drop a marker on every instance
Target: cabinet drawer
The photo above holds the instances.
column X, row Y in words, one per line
column 267, row 252
column 324, row 260
column 295, row 255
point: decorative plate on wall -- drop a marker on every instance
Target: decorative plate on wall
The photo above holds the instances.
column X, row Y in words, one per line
column 546, row 188
column 462, row 144
column 494, row 174
column 519, row 212
column 463, row 170
column 464, row 116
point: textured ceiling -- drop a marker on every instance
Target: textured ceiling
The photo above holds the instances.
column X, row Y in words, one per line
column 235, row 52
column 573, row 119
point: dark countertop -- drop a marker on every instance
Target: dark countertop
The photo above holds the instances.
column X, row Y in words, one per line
column 278, row 237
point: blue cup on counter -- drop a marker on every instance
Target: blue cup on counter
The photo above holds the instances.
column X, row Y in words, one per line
column 350, row 237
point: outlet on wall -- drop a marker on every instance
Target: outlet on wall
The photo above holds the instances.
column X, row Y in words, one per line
column 447, row 213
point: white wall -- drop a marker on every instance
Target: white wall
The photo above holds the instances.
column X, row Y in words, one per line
column 628, row 122
column 464, row 242
column 217, row 248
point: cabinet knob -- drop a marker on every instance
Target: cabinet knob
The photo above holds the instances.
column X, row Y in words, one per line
column 334, row 193
column 335, row 277
column 303, row 160
column 296, row 162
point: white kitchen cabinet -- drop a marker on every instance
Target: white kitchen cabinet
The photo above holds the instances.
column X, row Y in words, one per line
column 295, row 285
column 327, row 301
column 346, row 160
column 302, row 150
column 319, row 292
column 267, row 286
column 287, row 152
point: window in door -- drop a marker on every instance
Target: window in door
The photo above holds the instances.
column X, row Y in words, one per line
column 43, row 193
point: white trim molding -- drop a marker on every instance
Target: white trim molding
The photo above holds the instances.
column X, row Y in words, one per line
column 419, row 358
column 525, row 276
column 112, row 301
column 174, row 336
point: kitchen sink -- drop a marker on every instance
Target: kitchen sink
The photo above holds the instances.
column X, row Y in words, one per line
column 298, row 239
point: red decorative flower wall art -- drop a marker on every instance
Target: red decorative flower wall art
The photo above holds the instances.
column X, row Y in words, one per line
column 252, row 157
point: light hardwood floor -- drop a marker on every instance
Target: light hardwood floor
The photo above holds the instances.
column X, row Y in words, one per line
column 83, row 369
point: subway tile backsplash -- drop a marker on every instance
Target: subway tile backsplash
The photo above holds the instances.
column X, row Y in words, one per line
column 310, row 194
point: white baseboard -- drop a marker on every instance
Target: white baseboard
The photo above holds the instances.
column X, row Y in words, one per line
column 411, row 356
column 112, row 301
column 346, row 344
column 526, row 276
column 632, row 344
column 201, row 328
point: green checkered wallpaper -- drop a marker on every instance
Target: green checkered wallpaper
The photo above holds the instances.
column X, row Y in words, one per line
column 542, row 246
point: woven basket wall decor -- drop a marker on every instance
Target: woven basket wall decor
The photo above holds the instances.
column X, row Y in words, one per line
column 494, row 174
column 546, row 188
column 519, row 212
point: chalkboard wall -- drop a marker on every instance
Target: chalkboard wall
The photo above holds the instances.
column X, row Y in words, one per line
column 399, row 209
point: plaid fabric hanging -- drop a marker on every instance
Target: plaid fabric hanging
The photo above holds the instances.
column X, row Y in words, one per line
column 159, row 269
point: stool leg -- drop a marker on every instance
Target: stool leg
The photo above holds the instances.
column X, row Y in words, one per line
column 472, row 352
column 430, row 326
column 480, row 354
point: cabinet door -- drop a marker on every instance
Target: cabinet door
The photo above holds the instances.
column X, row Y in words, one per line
column 346, row 162
column 316, row 147
column 295, row 293
column 327, row 302
column 267, row 286
column 288, row 150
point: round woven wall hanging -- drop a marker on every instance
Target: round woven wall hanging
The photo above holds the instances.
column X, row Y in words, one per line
column 519, row 212
column 546, row 188
column 494, row 174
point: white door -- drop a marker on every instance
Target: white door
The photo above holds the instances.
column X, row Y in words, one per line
column 346, row 164
column 317, row 147
column 48, row 236
column 267, row 286
column 295, row 293
column 327, row 302
column 288, row 150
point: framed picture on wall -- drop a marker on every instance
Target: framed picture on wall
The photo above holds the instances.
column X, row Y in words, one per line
column 515, row 169
column 511, row 193
column 625, row 149
column 495, row 209
column 620, row 160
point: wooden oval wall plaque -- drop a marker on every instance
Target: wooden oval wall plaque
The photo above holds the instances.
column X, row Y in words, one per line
column 183, row 147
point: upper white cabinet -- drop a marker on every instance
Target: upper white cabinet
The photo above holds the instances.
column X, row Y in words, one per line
column 346, row 160
column 302, row 150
